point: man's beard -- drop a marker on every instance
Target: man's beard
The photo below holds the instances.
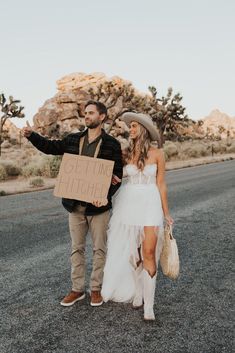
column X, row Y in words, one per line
column 93, row 124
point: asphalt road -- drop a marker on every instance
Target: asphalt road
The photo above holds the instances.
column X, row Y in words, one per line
column 194, row 314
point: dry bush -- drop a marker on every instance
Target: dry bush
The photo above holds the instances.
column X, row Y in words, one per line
column 231, row 148
column 49, row 165
column 34, row 167
column 3, row 173
column 6, row 144
column 170, row 150
column 24, row 159
column 194, row 149
column 223, row 148
column 219, row 147
column 31, row 169
column 27, row 157
column 41, row 165
column 29, row 146
column 11, row 168
column 36, row 182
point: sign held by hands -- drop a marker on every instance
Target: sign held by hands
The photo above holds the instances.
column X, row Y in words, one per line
column 84, row 178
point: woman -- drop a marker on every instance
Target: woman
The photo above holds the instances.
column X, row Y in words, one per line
column 135, row 234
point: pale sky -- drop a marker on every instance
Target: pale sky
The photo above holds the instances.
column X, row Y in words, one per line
column 189, row 45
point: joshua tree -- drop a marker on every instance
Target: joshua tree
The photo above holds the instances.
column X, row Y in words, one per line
column 10, row 109
column 122, row 98
column 168, row 113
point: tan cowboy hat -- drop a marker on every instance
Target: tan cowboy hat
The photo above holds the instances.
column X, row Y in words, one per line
column 144, row 120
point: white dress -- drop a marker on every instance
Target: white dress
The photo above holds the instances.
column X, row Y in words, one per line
column 136, row 204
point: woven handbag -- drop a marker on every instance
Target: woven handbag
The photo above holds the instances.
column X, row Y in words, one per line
column 169, row 258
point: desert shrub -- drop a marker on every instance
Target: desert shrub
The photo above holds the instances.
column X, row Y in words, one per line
column 3, row 173
column 51, row 166
column 11, row 168
column 24, row 159
column 194, row 149
column 41, row 165
column 231, row 149
column 36, row 182
column 32, row 169
column 14, row 141
column 223, row 147
column 6, row 144
column 219, row 147
column 202, row 149
column 192, row 152
column 170, row 150
column 166, row 156
column 27, row 157
column 2, row 193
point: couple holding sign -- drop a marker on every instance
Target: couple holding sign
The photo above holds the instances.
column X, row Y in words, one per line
column 133, row 236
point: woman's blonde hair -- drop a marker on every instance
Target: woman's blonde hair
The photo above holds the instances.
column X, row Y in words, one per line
column 139, row 147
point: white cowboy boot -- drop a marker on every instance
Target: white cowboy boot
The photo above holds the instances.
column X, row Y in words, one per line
column 149, row 291
column 138, row 299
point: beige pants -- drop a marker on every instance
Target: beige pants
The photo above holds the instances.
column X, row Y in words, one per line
column 79, row 224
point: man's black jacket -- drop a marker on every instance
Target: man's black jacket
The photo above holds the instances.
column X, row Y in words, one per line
column 109, row 149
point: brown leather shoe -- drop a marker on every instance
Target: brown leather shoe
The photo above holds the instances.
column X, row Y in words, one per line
column 96, row 298
column 72, row 298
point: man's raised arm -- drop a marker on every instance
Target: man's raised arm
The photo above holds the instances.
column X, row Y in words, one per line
column 44, row 145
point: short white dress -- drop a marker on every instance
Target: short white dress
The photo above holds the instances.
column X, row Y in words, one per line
column 136, row 204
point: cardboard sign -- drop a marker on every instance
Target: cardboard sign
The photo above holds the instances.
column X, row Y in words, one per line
column 84, row 178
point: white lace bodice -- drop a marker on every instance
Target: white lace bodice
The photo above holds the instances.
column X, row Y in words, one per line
column 137, row 176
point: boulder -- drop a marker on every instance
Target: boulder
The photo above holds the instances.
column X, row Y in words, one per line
column 64, row 112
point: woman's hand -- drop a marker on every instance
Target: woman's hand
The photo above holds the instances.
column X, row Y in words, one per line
column 115, row 180
column 169, row 219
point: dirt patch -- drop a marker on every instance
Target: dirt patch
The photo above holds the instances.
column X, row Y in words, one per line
column 20, row 185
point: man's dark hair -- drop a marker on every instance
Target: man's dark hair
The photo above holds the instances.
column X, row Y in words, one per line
column 99, row 106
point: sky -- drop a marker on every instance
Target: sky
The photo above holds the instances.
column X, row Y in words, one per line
column 187, row 45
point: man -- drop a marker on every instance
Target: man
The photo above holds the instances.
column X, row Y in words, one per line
column 92, row 142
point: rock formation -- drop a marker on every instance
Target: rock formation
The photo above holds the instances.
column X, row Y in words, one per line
column 11, row 132
column 65, row 111
column 219, row 124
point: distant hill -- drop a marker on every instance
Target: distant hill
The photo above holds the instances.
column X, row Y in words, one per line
column 219, row 123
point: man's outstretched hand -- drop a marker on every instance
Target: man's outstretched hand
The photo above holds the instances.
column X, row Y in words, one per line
column 27, row 130
column 97, row 203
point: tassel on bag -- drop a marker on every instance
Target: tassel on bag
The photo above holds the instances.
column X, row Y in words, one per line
column 169, row 258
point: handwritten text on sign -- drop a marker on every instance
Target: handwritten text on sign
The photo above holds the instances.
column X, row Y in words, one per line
column 84, row 178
